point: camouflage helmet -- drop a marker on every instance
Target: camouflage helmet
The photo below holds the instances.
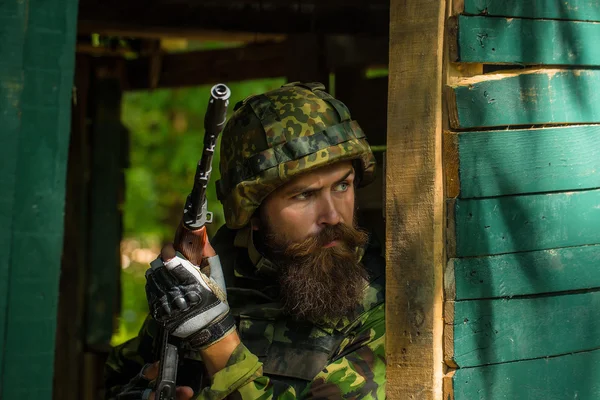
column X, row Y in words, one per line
column 273, row 137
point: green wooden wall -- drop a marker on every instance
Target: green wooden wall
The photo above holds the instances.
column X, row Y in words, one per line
column 522, row 172
column 37, row 50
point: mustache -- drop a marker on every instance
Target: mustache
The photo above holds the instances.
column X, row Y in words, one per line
column 348, row 236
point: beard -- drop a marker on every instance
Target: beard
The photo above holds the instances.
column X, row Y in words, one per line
column 320, row 284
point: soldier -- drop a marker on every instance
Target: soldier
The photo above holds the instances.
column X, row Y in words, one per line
column 302, row 315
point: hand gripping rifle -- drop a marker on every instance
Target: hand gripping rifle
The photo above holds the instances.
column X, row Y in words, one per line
column 191, row 237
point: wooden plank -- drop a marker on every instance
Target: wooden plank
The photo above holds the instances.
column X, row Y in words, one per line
column 11, row 91
column 517, row 274
column 503, row 330
column 414, row 201
column 527, row 41
column 119, row 17
column 36, row 72
column 103, row 290
column 68, row 362
column 537, row 160
column 448, row 386
column 311, row 49
column 540, row 96
column 581, row 10
column 572, row 376
column 524, row 223
column 260, row 61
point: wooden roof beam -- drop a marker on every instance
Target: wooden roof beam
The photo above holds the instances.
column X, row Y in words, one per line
column 257, row 61
column 141, row 19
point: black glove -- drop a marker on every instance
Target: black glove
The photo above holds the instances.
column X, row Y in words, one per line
column 187, row 303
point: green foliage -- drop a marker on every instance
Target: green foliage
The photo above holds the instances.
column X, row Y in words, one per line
column 166, row 135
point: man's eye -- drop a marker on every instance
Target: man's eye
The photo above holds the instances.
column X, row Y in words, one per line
column 303, row 195
column 342, row 187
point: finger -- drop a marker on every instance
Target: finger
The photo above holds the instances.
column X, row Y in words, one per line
column 184, row 392
column 180, row 303
column 151, row 371
column 193, row 297
column 167, row 252
column 183, row 275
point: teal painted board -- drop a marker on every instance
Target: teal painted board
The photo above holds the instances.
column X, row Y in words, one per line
column 40, row 69
column 533, row 272
column 524, row 223
column 529, row 97
column 495, row 163
column 579, row 10
column 492, row 40
column 572, row 376
column 502, row 330
column 11, row 89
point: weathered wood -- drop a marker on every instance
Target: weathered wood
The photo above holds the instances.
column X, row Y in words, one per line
column 209, row 67
column 414, row 204
column 528, row 273
column 448, row 386
column 310, row 48
column 494, row 163
column 541, row 96
column 68, row 361
column 259, row 61
column 503, row 330
column 451, row 164
column 524, row 223
column 251, row 17
column 581, row 10
column 449, row 334
column 526, row 41
column 572, row 376
column 36, row 75
column 106, row 138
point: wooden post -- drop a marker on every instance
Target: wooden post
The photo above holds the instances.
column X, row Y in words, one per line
column 68, row 363
column 414, row 201
column 36, row 81
column 306, row 60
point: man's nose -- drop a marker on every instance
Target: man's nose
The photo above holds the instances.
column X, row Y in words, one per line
column 328, row 214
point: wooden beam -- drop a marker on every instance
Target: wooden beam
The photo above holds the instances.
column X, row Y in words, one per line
column 250, row 17
column 526, row 41
column 527, row 273
column 524, row 223
column 305, row 59
column 414, row 201
column 579, row 10
column 209, row 67
column 256, row 61
column 68, row 362
column 537, row 160
column 108, row 137
column 539, row 96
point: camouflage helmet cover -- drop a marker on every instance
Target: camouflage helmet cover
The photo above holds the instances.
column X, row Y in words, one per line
column 273, row 137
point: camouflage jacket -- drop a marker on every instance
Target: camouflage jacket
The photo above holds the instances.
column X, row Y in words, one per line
column 279, row 358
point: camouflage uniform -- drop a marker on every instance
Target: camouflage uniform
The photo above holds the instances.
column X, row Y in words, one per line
column 280, row 358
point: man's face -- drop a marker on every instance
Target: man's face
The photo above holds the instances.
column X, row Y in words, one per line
column 304, row 206
column 307, row 227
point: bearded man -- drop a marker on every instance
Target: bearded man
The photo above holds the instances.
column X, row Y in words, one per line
column 297, row 310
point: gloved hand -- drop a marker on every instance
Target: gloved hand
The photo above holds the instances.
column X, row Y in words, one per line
column 138, row 387
column 186, row 302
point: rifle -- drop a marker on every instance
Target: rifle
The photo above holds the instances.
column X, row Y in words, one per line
column 191, row 237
